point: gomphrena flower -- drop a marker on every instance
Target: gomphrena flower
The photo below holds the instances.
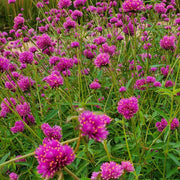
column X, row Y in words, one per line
column 95, row 85
column 168, row 42
column 174, row 124
column 160, row 8
column 52, row 157
column 23, row 109
column 26, row 57
column 111, row 170
column 52, row 132
column 13, row 176
column 161, row 125
column 127, row 166
column 11, row 1
column 18, row 22
column 64, row 4
column 18, row 127
column 99, row 40
column 69, row 24
column 7, row 106
column 4, row 63
column 43, row 41
column 94, row 126
column 102, row 60
column 79, row 3
column 25, row 83
column 64, row 64
column 128, row 107
column 132, row 5
column 54, row 79
column 129, row 29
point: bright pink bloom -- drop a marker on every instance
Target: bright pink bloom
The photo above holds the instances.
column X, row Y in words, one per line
column 102, row 60
column 132, row 5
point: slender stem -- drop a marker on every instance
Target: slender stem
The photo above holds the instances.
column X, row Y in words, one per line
column 78, row 143
column 106, row 149
column 60, row 177
column 18, row 158
column 71, row 173
column 69, row 141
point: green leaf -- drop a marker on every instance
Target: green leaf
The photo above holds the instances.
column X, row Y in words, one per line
column 171, row 172
column 138, row 170
column 166, row 132
column 3, row 159
column 163, row 114
column 175, row 159
column 128, row 83
column 51, row 115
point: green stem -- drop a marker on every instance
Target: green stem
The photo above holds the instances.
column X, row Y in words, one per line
column 71, row 173
column 106, row 149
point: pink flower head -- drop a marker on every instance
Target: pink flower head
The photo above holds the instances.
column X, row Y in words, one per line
column 168, row 42
column 43, row 41
column 128, row 107
column 161, row 125
column 69, row 23
column 132, row 5
column 95, row 85
column 26, row 57
column 18, row 127
column 52, row 132
column 11, row 1
column 52, row 157
column 79, row 3
column 102, row 60
column 122, row 89
column 23, row 109
column 18, row 22
column 174, row 124
column 100, row 40
column 25, row 83
column 127, row 166
column 160, row 8
column 169, row 83
column 64, row 64
column 4, row 63
column 129, row 29
column 94, row 125
column 64, row 4
column 54, row 80
column 95, row 175
column 111, row 170
column 13, row 176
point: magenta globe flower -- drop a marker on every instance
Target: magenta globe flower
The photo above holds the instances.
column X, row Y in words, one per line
column 168, row 42
column 52, row 157
column 102, row 60
column 128, row 107
column 132, row 5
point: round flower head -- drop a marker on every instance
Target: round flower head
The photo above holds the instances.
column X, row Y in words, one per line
column 95, row 85
column 168, row 42
column 64, row 4
column 160, row 8
column 111, row 170
column 93, row 125
column 26, row 57
column 128, row 107
column 79, row 3
column 4, row 63
column 52, row 157
column 23, row 109
column 25, row 83
column 11, row 1
column 127, row 166
column 13, row 176
column 174, row 124
column 132, row 5
column 64, row 64
column 54, row 80
column 18, row 127
column 161, row 125
column 52, row 132
column 94, row 175
column 43, row 41
column 102, row 60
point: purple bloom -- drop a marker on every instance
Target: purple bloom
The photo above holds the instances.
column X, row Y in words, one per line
column 13, row 176
column 68, row 24
column 18, row 22
column 26, row 57
column 102, row 60
column 177, row 21
column 52, row 132
column 53, row 60
column 54, row 80
column 79, row 3
column 25, row 83
column 140, row 84
column 95, row 175
column 108, row 49
column 64, row 4
column 76, row 14
column 111, row 170
column 169, row 83
column 174, row 124
column 157, row 84
column 94, row 125
column 23, row 109
column 18, row 127
column 11, row 1
column 74, row 44
column 4, row 63
column 43, row 41
column 95, row 85
column 127, row 166
column 132, row 5
column 150, row 79
column 160, row 8
column 161, row 125
column 52, row 157
column 168, row 42
column 129, row 29
column 100, row 40
column 64, row 64
column 122, row 89
column 128, row 107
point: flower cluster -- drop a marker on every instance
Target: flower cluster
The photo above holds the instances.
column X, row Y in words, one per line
column 168, row 42
column 18, row 127
column 112, row 170
column 52, row 157
column 102, row 60
column 51, row 132
column 132, row 5
column 128, row 107
column 94, row 126
column 161, row 125
column 174, row 124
